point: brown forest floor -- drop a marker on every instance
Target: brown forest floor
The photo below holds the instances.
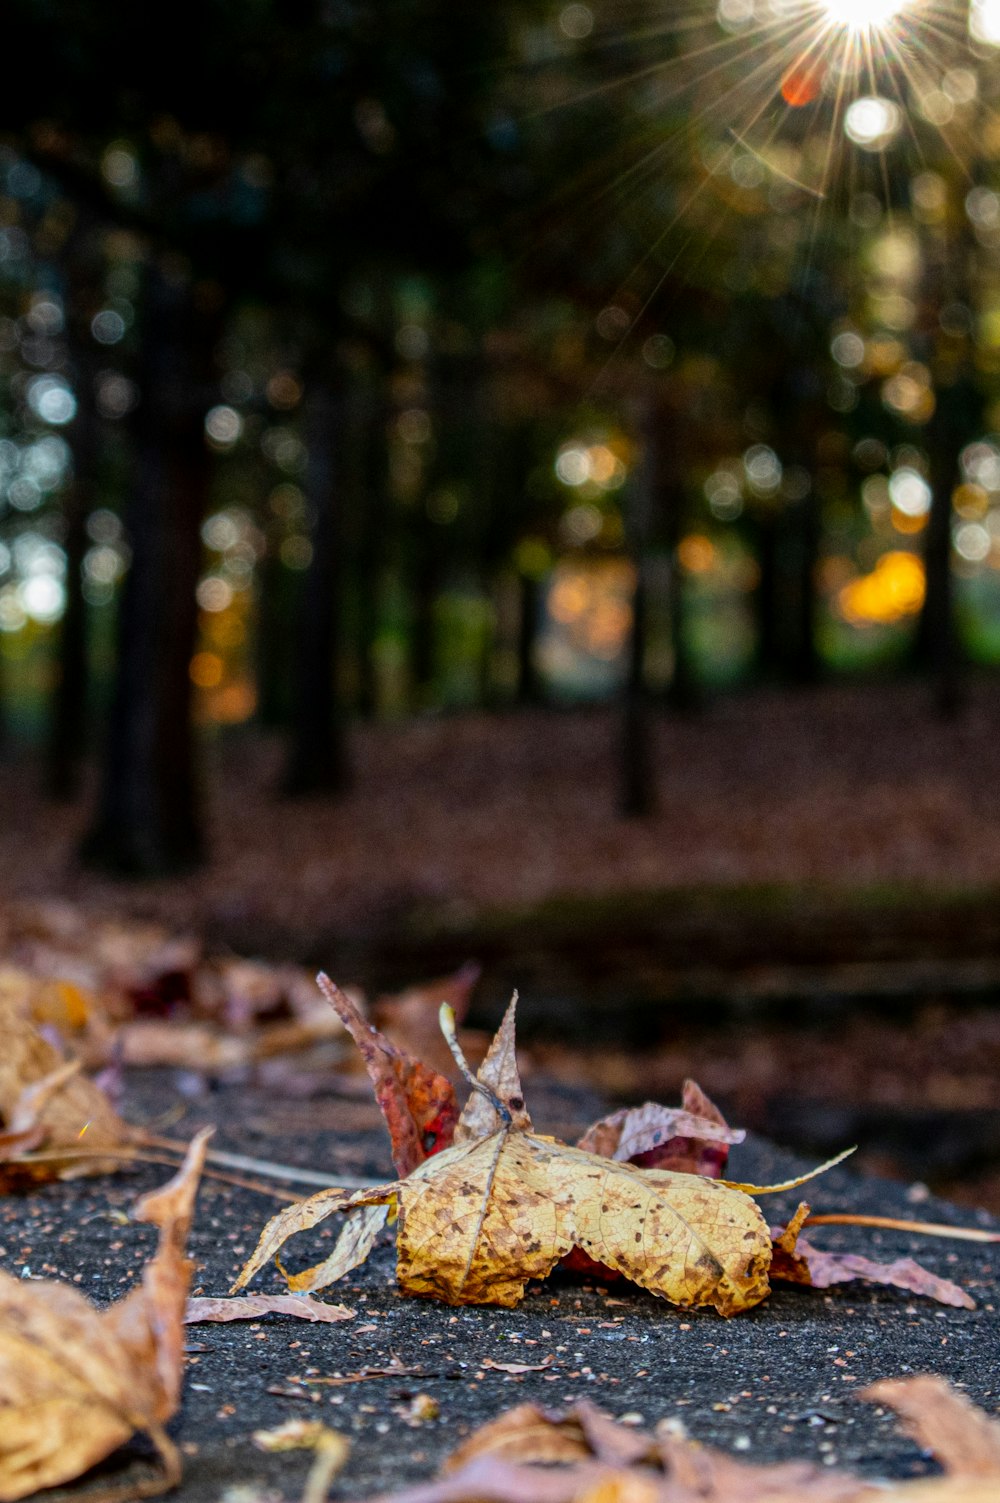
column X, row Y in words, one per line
column 827, row 862
column 841, row 786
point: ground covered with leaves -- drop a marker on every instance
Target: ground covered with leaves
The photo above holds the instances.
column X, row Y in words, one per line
column 407, row 1380
column 475, row 813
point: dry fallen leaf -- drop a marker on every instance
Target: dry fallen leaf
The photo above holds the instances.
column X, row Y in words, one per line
column 418, row 1103
column 583, row 1456
column 67, row 1118
column 76, row 1382
column 503, row 1205
column 693, row 1140
column 254, row 1306
column 796, row 1261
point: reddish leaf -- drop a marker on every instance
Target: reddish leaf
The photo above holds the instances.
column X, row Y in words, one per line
column 693, row 1139
column 796, row 1261
column 418, row 1104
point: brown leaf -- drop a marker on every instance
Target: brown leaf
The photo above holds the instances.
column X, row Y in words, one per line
column 47, row 1097
column 417, row 1103
column 527, row 1433
column 584, row 1456
column 964, row 1440
column 797, row 1261
column 516, row 1367
column 76, row 1382
column 254, row 1306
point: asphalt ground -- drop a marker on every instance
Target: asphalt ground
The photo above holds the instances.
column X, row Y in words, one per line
column 780, row 1382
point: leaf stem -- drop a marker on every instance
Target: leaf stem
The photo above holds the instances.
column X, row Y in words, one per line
column 897, row 1224
column 446, row 1018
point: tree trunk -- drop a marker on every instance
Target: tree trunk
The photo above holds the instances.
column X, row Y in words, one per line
column 68, row 722
column 148, row 818
column 637, row 792
column 638, row 778
column 529, row 687
column 68, row 711
column 374, row 514
column 318, row 755
column 767, row 597
column 271, row 656
column 937, row 649
column 803, row 652
column 667, row 503
column 423, row 647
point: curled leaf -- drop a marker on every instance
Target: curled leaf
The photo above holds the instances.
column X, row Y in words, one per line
column 480, row 1220
column 76, row 1382
column 661, row 1137
column 47, row 1104
column 418, row 1103
column 254, row 1306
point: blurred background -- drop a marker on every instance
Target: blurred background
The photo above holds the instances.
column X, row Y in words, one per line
column 523, row 481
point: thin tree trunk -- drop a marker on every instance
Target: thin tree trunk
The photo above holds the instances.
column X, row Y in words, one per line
column 148, row 820
column 937, row 646
column 668, row 506
column 803, row 656
column 272, row 645
column 637, row 792
column 318, row 760
column 766, row 598
column 529, row 687
column 68, row 709
column 68, row 722
column 374, row 512
column 423, row 648
column 956, row 420
column 638, row 779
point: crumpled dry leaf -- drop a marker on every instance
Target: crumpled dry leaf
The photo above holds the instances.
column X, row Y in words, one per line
column 418, row 1103
column 76, row 1382
column 694, row 1139
column 48, row 1106
column 583, row 1456
column 481, row 1219
column 796, row 1261
column 503, row 1205
column 204, row 1308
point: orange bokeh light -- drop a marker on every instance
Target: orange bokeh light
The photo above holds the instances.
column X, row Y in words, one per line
column 802, row 83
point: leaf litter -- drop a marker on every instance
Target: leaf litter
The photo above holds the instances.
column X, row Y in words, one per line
column 490, row 1149
column 76, row 1382
column 582, row 1455
column 500, row 1205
